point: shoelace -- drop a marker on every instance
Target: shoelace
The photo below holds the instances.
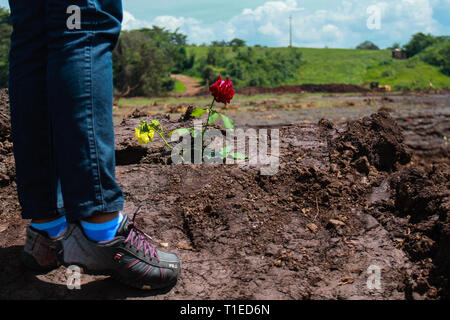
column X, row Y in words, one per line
column 138, row 236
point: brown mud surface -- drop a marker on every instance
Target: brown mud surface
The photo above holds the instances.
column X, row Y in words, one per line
column 349, row 196
column 310, row 88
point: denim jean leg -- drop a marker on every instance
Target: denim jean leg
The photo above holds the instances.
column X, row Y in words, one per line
column 80, row 99
column 37, row 182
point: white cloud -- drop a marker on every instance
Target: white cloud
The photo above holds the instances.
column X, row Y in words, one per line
column 341, row 24
column 173, row 23
column 130, row 22
column 270, row 30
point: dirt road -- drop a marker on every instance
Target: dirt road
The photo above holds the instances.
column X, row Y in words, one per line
column 192, row 85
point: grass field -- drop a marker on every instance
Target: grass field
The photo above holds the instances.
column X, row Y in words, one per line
column 179, row 87
column 354, row 67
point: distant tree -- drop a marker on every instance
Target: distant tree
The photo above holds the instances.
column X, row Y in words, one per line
column 418, row 43
column 445, row 52
column 211, row 56
column 367, row 45
column 209, row 75
column 164, row 37
column 5, row 34
column 222, row 43
column 237, row 43
column 189, row 63
column 141, row 66
column 396, row 45
column 438, row 55
column 171, row 43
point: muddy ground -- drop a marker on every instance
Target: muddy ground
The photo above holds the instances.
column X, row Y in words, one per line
column 361, row 189
column 311, row 88
column 315, row 88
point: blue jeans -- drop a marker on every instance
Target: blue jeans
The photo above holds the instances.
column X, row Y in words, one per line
column 61, row 92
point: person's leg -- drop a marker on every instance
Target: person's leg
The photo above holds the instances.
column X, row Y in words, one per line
column 80, row 100
column 80, row 92
column 37, row 183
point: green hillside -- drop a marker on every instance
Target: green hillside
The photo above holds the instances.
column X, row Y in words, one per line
column 320, row 66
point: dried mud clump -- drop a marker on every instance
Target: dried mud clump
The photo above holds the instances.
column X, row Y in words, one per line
column 420, row 193
column 423, row 194
column 376, row 140
column 138, row 113
column 7, row 171
column 5, row 127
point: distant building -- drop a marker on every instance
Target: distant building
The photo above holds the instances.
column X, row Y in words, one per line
column 399, row 54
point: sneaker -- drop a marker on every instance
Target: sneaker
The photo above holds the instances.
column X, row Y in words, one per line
column 40, row 252
column 128, row 258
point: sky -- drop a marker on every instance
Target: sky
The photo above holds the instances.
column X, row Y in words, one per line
column 316, row 23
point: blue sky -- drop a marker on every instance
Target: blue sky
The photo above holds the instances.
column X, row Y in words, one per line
column 317, row 23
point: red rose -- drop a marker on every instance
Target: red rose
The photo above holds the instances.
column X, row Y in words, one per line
column 222, row 90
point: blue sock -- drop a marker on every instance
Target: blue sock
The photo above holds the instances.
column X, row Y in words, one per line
column 53, row 228
column 102, row 231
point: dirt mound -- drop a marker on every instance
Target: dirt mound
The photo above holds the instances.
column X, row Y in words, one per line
column 376, row 140
column 423, row 194
column 416, row 212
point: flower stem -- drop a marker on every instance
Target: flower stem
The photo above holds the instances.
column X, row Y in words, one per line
column 167, row 144
column 207, row 122
column 165, row 141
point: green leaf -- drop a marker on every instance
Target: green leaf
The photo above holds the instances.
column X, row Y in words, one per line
column 239, row 156
column 227, row 122
column 155, row 125
column 144, row 126
column 181, row 131
column 213, row 117
column 198, row 112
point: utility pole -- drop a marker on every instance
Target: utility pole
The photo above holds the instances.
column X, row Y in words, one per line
column 290, row 31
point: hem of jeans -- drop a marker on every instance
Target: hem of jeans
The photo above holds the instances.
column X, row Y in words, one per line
column 38, row 213
column 85, row 211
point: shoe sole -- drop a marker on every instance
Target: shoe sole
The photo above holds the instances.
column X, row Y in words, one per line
column 127, row 282
column 115, row 276
column 30, row 263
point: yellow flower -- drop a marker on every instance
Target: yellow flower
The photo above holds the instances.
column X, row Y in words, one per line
column 143, row 135
column 151, row 134
column 143, row 138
